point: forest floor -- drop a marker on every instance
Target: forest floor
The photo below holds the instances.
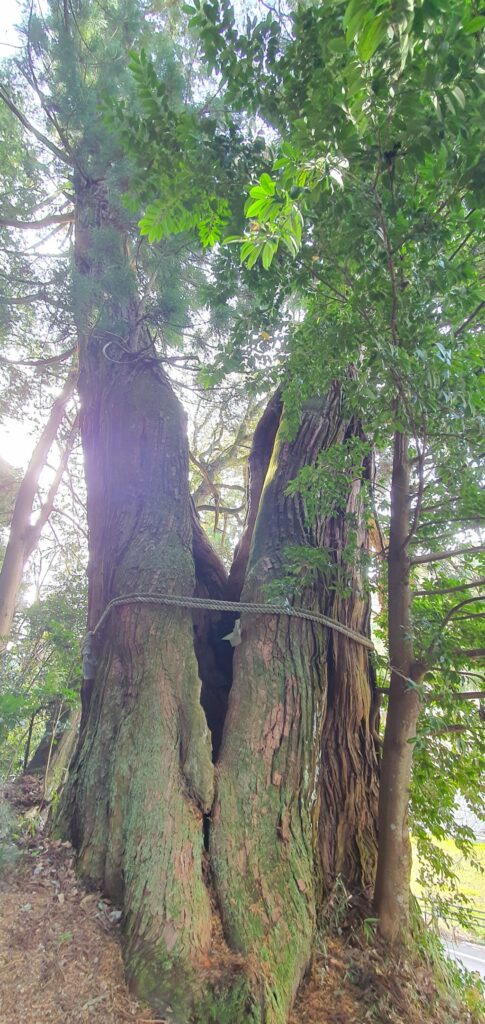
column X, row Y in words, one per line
column 60, row 957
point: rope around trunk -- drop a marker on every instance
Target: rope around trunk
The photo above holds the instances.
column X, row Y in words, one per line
column 211, row 604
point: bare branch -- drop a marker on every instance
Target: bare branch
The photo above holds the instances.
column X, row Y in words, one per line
column 42, row 222
column 470, row 318
column 221, row 509
column 59, row 153
column 438, row 556
column 448, row 590
column 46, row 509
column 48, row 361
column 469, row 600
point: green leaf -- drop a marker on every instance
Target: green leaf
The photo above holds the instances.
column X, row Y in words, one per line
column 259, row 206
column 475, row 24
column 459, row 95
column 267, row 184
column 252, row 258
column 372, row 35
column 267, row 254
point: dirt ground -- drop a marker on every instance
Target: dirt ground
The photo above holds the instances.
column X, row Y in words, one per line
column 60, row 960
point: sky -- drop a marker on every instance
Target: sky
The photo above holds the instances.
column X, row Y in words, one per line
column 9, row 14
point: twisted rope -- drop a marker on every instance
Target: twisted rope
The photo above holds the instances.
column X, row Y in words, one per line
column 211, row 604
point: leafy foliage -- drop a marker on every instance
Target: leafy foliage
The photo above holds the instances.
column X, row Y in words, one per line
column 41, row 671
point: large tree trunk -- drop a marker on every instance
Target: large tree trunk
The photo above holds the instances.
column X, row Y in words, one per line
column 142, row 775
column 296, row 788
column 141, row 783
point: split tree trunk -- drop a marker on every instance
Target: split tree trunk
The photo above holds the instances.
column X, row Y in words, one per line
column 296, row 787
column 296, row 779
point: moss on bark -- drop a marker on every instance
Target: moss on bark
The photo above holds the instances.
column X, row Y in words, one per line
column 299, row 717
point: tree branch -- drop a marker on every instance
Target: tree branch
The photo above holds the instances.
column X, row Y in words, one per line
column 469, row 600
column 450, row 729
column 472, row 615
column 438, row 556
column 470, row 318
column 475, row 653
column 466, row 695
column 472, row 675
column 42, row 222
column 448, row 590
column 48, row 361
column 419, row 499
column 220, row 509
column 46, row 509
column 59, row 153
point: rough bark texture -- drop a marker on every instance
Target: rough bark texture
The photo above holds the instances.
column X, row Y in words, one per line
column 295, row 804
column 142, row 775
column 285, row 746
column 292, row 774
column 214, row 655
column 258, row 463
column 392, row 892
column 58, row 768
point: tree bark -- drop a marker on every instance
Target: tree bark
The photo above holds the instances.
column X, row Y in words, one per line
column 142, row 775
column 57, row 769
column 296, row 782
column 258, row 463
column 53, row 733
column 141, row 784
column 23, row 536
column 392, row 890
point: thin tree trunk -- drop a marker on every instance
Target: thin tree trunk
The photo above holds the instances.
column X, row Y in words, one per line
column 56, row 772
column 29, row 739
column 23, row 535
column 392, row 890
column 54, row 729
